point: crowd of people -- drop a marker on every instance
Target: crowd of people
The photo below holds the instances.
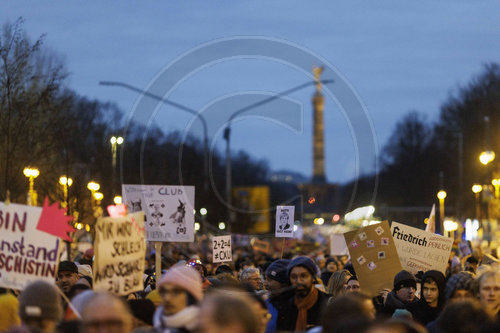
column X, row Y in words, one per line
column 261, row 294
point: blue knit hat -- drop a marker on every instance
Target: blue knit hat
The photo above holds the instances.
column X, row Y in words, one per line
column 277, row 271
column 305, row 262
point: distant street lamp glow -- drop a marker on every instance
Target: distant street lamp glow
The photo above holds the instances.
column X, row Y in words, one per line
column 319, row 221
column 222, row 225
column 196, row 226
column 476, row 188
column 203, row 211
column 487, row 157
column 87, row 228
column 441, row 195
column 117, row 200
column 450, row 225
column 31, row 174
column 98, row 196
column 63, row 180
column 496, row 185
column 93, row 186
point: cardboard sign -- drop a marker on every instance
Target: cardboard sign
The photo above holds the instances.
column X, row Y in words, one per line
column 27, row 254
column 420, row 250
column 338, row 247
column 284, row 221
column 120, row 249
column 169, row 210
column 260, row 246
column 374, row 257
column 222, row 249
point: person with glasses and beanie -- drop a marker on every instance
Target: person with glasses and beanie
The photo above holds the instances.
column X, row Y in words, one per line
column 181, row 292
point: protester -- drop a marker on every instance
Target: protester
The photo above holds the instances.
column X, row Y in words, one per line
column 338, row 282
column 353, row 311
column 142, row 311
column 459, row 286
column 251, row 276
column 462, row 316
column 40, row 307
column 202, row 270
column 104, row 312
column 181, row 291
column 352, row 285
column 331, row 266
column 304, row 309
column 432, row 298
column 489, row 292
column 278, row 286
column 67, row 276
column 405, row 285
column 223, row 312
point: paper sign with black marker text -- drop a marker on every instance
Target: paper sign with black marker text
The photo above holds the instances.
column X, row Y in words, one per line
column 120, row 249
column 284, row 221
column 222, row 249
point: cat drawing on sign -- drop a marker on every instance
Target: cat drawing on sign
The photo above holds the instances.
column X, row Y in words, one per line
column 157, row 215
column 136, row 206
column 178, row 217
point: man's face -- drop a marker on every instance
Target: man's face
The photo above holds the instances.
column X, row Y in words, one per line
column 271, row 284
column 331, row 267
column 255, row 280
column 489, row 293
column 406, row 294
column 66, row 279
column 352, row 286
column 302, row 279
column 174, row 299
column 430, row 292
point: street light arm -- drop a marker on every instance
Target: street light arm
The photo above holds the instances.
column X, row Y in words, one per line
column 158, row 98
column 270, row 99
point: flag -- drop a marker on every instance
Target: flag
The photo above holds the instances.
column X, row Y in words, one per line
column 431, row 221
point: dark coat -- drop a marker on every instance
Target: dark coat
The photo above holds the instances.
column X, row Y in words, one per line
column 287, row 318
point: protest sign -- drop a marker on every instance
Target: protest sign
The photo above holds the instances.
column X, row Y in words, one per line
column 374, row 257
column 420, row 250
column 284, row 221
column 260, row 246
column 119, row 249
column 222, row 249
column 338, row 247
column 28, row 251
column 168, row 209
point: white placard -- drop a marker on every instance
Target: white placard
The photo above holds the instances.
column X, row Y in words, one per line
column 120, row 249
column 420, row 250
column 284, row 221
column 338, row 247
column 168, row 209
column 222, row 249
column 26, row 253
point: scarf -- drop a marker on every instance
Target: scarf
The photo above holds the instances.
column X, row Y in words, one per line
column 304, row 304
column 186, row 318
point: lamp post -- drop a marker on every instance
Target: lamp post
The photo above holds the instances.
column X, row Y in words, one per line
column 115, row 141
column 31, row 174
column 496, row 185
column 66, row 182
column 476, row 189
column 441, row 196
column 96, row 197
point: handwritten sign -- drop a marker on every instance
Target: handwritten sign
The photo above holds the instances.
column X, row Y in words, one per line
column 260, row 246
column 120, row 249
column 284, row 221
column 374, row 257
column 26, row 253
column 420, row 250
column 222, row 249
column 168, row 209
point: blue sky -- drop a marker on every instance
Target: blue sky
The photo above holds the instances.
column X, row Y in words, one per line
column 397, row 55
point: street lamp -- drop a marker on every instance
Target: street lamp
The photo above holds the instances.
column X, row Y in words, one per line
column 476, row 189
column 65, row 182
column 496, row 185
column 117, row 200
column 115, row 141
column 93, row 186
column 31, row 173
column 449, row 226
column 486, row 157
column 441, row 196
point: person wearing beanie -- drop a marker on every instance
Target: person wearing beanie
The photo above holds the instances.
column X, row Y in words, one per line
column 278, row 286
column 432, row 298
column 331, row 266
column 459, row 286
column 303, row 309
column 67, row 276
column 40, row 307
column 198, row 266
column 405, row 285
column 181, row 291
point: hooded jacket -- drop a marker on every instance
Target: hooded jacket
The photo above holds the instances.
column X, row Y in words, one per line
column 421, row 310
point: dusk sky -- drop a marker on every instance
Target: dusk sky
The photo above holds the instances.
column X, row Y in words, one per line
column 396, row 55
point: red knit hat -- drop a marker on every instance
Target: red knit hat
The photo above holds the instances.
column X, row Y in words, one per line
column 185, row 277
